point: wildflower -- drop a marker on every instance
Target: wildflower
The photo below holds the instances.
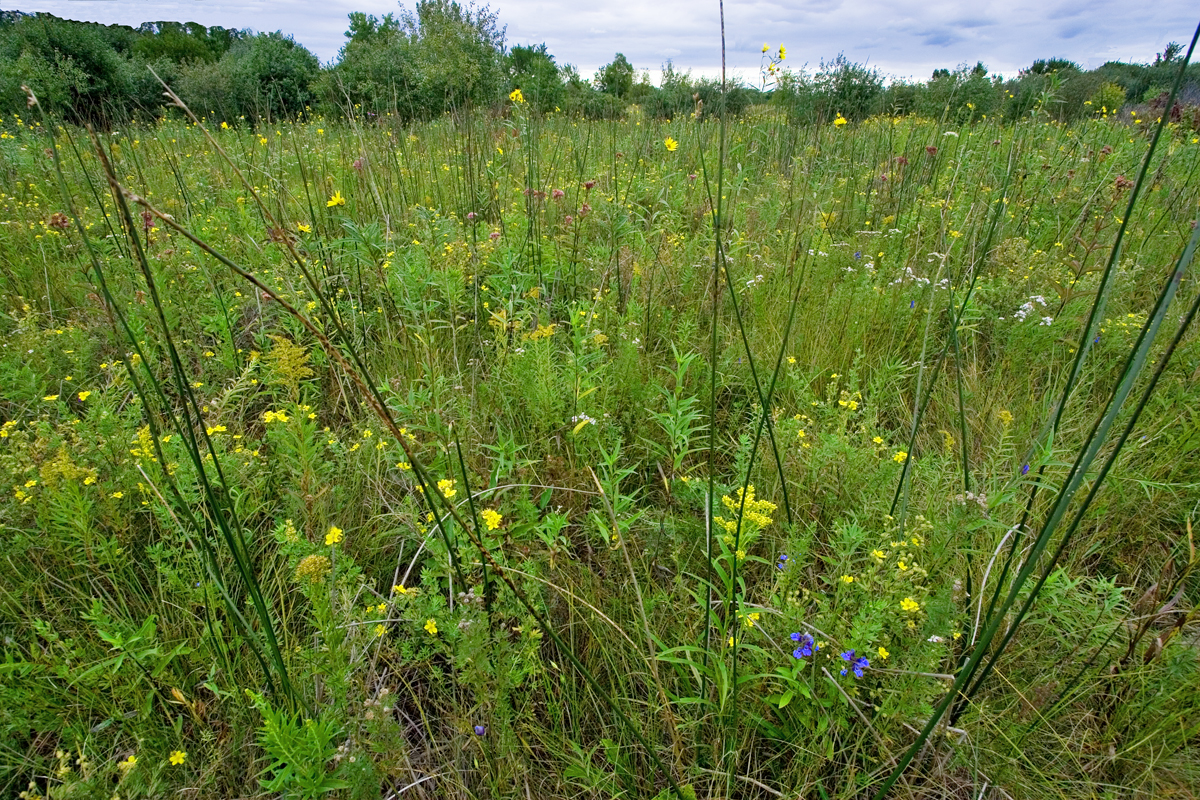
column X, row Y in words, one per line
column 431, row 627
column 900, row 457
column 336, row 200
column 840, row 121
column 856, row 664
column 491, row 519
column 740, row 555
column 782, row 52
column 300, row 226
column 903, row 567
column 752, row 619
column 178, row 757
column 1005, row 417
column 334, row 536
column 807, row 645
column 516, row 96
column 50, row 398
column 878, row 554
column 910, row 605
column 766, row 47
column 847, row 579
column 380, row 631
column 128, row 763
column 670, row 144
column 480, row 730
column 312, row 569
column 83, row 396
column 1025, row 470
column 446, row 487
column 883, row 653
column 782, row 561
column 274, row 416
column 117, row 495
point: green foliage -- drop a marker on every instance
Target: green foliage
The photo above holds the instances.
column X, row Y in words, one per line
column 563, row 342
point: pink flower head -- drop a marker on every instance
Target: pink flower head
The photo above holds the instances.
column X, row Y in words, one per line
column 558, row 194
column 584, row 209
column 691, row 177
column 358, row 163
column 568, row 219
column 589, row 185
column 470, row 216
column 931, row 150
column 494, row 235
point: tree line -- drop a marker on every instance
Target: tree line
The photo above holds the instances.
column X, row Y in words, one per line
column 444, row 56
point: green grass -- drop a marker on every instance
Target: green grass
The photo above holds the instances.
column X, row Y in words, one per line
column 170, row 515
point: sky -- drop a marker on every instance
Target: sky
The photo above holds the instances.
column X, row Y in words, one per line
column 902, row 38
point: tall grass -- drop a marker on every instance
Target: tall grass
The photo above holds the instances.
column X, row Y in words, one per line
column 553, row 468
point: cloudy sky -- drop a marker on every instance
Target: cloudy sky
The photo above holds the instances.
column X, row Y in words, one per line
column 902, row 38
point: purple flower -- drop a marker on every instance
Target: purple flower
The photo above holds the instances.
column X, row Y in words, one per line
column 807, row 645
column 860, row 664
column 782, row 561
column 1025, row 470
column 857, row 254
column 912, row 303
column 480, row 730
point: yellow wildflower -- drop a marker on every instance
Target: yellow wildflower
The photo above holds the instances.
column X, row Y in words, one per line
column 431, row 627
column 910, row 605
column 336, row 200
column 491, row 519
column 670, row 144
column 178, row 757
column 334, row 536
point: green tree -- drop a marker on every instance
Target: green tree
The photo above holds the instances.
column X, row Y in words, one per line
column 532, row 70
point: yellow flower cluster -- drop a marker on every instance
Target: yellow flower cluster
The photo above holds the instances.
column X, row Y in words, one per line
column 312, row 569
column 754, row 512
column 334, row 536
column 491, row 519
column 274, row 416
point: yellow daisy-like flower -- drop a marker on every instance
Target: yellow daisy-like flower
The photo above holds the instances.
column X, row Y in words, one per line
column 877, row 553
column 178, row 757
column 766, row 47
column 334, row 536
column 840, row 121
column 431, row 627
column 491, row 519
column 782, row 52
column 847, row 579
column 300, row 226
column 670, row 144
column 336, row 200
column 883, row 653
column 910, row 605
column 84, row 395
column 516, row 96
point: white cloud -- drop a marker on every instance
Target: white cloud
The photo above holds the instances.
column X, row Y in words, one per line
column 901, row 37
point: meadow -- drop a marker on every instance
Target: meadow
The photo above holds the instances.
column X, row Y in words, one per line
column 523, row 455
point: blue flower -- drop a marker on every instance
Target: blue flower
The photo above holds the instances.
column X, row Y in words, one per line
column 860, row 664
column 807, row 645
column 480, row 730
column 782, row 561
column 912, row 303
column 1025, row 470
column 858, row 254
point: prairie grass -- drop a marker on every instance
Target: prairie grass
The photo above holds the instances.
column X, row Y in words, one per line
column 423, row 509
